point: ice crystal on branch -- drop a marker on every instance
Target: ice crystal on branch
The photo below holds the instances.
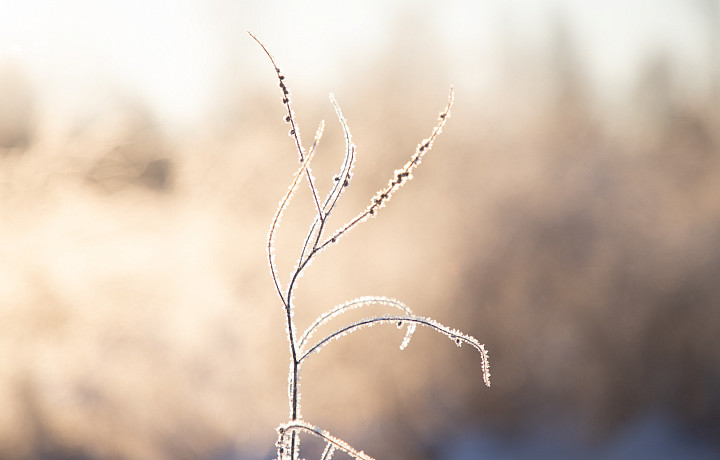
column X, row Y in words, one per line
column 302, row 346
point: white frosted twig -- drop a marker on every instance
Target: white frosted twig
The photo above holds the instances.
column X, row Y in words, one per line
column 301, row 425
column 310, row 246
column 290, row 118
column 341, row 182
column 278, row 214
column 311, row 180
column 353, row 304
column 458, row 337
column 400, row 177
column 328, row 452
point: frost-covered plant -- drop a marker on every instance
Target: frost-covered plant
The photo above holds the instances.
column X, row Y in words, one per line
column 302, row 346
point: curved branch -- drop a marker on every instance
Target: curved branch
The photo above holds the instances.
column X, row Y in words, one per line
column 278, row 214
column 400, row 177
column 294, row 129
column 353, row 304
column 458, row 337
column 341, row 182
column 276, row 219
column 301, row 425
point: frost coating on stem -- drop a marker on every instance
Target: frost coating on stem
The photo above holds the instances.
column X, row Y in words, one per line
column 328, row 452
column 315, row 241
column 278, row 216
column 457, row 336
column 400, row 177
column 292, row 426
column 353, row 304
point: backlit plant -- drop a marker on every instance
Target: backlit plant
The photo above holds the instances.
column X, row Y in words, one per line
column 305, row 345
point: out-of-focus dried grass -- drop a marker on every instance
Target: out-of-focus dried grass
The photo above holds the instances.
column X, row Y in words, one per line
column 136, row 313
column 133, row 319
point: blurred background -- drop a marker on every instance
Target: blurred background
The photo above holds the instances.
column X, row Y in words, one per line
column 568, row 217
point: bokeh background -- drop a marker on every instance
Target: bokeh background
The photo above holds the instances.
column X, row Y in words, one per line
column 568, row 217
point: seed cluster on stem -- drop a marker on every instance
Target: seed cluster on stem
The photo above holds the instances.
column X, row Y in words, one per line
column 302, row 346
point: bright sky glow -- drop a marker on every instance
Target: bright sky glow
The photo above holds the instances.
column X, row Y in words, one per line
column 172, row 53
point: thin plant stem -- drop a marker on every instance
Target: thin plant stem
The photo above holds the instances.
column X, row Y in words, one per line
column 315, row 241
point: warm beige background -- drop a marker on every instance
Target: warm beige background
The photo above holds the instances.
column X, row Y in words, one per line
column 569, row 218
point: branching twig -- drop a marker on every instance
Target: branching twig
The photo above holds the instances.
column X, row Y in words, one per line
column 278, row 215
column 289, row 118
column 315, row 241
column 400, row 177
